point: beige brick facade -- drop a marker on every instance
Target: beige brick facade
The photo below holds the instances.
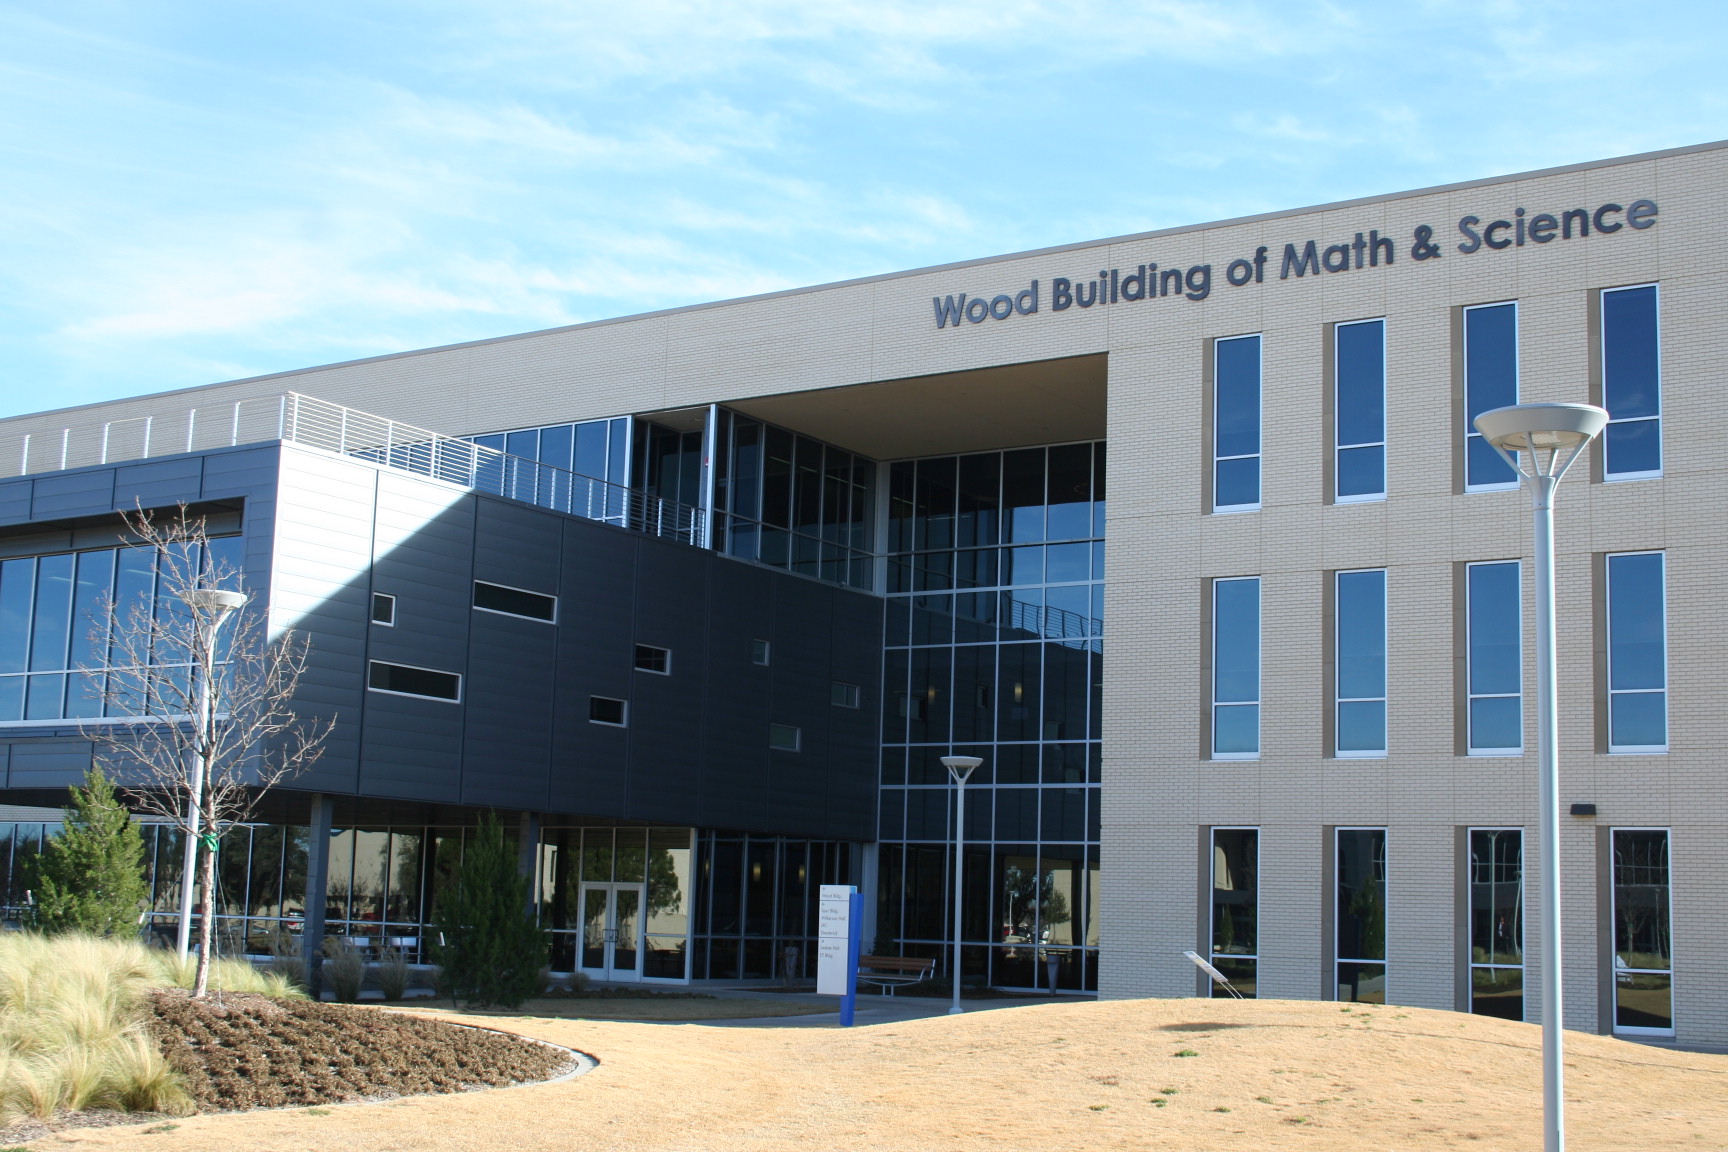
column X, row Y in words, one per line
column 1160, row 792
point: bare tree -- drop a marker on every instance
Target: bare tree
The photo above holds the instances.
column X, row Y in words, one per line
column 216, row 726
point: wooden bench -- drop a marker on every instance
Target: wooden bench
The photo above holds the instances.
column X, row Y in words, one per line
column 891, row 972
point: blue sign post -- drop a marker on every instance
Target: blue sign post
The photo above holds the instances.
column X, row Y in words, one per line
column 854, row 946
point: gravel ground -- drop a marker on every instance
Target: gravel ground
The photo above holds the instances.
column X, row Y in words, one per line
column 1181, row 1074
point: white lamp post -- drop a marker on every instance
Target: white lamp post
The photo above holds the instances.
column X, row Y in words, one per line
column 1541, row 441
column 959, row 767
column 211, row 608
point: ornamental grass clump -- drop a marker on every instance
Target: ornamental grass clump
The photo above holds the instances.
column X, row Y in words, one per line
column 73, row 1031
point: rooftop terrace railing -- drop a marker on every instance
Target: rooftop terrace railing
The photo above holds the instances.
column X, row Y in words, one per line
column 310, row 422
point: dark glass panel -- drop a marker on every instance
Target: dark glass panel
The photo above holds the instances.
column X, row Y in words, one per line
column 836, row 495
column 590, row 456
column 296, row 838
column 931, row 684
column 1362, row 983
column 1236, row 641
column 1237, row 409
column 617, row 450
column 17, row 591
column 557, row 445
column 760, row 878
column 1023, row 495
column 1631, row 383
column 1064, row 814
column 232, row 861
column 51, row 622
column 1064, row 563
column 935, row 571
column 934, row 527
column 1017, row 707
column 1644, row 1000
column 1361, row 897
column 1361, row 655
column 45, row 697
column 1497, row 896
column 1634, row 446
column 1237, row 482
column 1065, row 692
column 777, row 477
column 1068, row 612
column 525, row 444
column 1361, row 393
column 727, row 877
column 1362, row 471
column 979, row 520
column 927, row 814
column 630, row 861
column 1496, row 656
column 597, row 855
column 1070, row 493
column 1023, row 566
column 95, row 588
column 1642, row 935
column 897, row 709
column 340, row 877
column 1235, row 891
column 807, row 487
column 1016, row 763
column 975, row 693
column 1242, row 974
column 933, row 619
column 1490, row 381
column 891, row 815
column 976, row 568
column 1497, row 992
column 1098, row 502
column 1637, row 646
column 901, row 505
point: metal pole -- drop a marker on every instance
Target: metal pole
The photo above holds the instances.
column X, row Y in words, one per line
column 195, row 797
column 1548, row 766
column 959, row 877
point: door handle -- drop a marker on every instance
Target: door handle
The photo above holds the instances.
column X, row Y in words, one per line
column 611, row 935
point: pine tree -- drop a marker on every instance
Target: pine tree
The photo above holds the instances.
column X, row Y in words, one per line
column 90, row 878
column 491, row 951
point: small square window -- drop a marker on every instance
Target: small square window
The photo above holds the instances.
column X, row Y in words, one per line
column 652, row 659
column 384, row 609
column 846, row 695
column 758, row 651
column 784, row 737
column 605, row 710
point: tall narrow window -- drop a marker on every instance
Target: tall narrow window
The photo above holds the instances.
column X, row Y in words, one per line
column 1494, row 659
column 1236, row 668
column 1490, row 381
column 1631, row 384
column 1236, row 424
column 1643, row 953
column 1637, row 654
column 1360, row 655
column 1496, row 879
column 1359, row 411
column 1235, row 907
column 1361, row 915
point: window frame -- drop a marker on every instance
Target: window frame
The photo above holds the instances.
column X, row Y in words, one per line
column 854, row 694
column 1470, row 747
column 456, row 699
column 623, row 720
column 1608, row 658
column 1338, row 697
column 1338, row 447
column 1613, row 969
column 1602, row 326
column 1259, row 671
column 1470, row 432
column 553, row 619
column 797, row 744
column 385, row 596
column 1259, row 454
column 666, row 653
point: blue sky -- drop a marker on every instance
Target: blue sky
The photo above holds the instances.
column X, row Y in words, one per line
column 192, row 192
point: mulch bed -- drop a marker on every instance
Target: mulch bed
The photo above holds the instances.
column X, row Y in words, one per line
column 240, row 1051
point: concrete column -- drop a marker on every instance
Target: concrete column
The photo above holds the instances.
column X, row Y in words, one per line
column 528, row 856
column 317, row 887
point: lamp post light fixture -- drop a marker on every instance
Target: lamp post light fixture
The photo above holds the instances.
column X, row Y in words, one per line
column 211, row 608
column 959, row 767
column 1541, row 441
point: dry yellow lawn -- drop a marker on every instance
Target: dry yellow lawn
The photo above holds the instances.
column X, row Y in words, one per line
column 1081, row 1077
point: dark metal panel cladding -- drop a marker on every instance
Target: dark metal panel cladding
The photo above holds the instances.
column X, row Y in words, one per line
column 87, row 492
column 159, row 483
column 667, row 751
column 590, row 767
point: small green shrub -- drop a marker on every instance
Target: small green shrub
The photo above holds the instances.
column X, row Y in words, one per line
column 492, row 950
column 90, row 878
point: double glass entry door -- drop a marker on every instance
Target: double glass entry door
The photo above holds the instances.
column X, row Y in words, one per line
column 612, row 931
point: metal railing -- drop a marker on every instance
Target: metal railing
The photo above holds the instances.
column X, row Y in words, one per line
column 310, row 422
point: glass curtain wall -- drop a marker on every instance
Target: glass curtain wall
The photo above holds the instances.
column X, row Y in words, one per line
column 792, row 502
column 993, row 648
column 53, row 643
column 596, row 448
column 20, row 842
column 755, row 902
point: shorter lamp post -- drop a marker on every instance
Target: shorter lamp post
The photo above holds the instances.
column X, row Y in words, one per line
column 959, row 767
column 1541, row 441
column 211, row 608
